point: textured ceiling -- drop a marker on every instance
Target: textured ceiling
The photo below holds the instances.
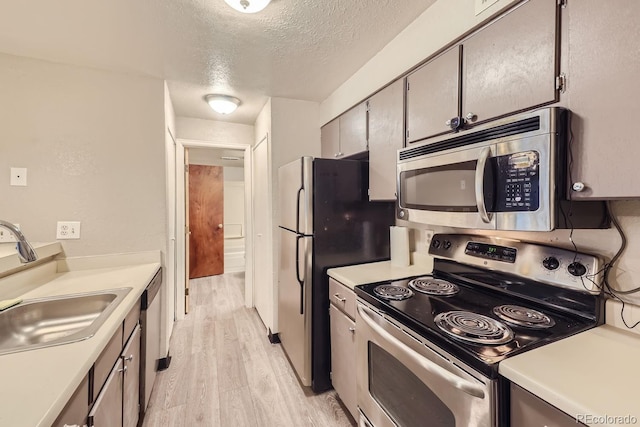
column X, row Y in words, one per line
column 300, row 49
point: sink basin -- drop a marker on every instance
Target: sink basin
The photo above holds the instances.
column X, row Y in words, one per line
column 45, row 322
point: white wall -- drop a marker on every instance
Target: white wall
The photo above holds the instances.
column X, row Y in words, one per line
column 93, row 144
column 213, row 131
column 439, row 25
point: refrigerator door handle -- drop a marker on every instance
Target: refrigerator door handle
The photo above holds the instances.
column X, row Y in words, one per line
column 300, row 190
column 300, row 281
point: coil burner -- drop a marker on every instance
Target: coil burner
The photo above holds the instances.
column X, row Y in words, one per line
column 474, row 328
column 391, row 292
column 431, row 286
column 522, row 316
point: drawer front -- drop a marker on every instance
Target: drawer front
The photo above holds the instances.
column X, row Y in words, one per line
column 130, row 322
column 342, row 297
column 528, row 409
column 110, row 355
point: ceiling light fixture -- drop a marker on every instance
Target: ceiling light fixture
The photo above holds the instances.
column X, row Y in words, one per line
column 248, row 6
column 222, row 104
column 230, row 158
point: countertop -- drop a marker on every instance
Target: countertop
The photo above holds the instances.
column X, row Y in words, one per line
column 362, row 274
column 37, row 384
column 590, row 375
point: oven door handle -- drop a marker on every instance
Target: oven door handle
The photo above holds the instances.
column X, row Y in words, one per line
column 482, row 208
column 455, row 381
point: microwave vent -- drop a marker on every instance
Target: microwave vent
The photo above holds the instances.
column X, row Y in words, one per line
column 526, row 125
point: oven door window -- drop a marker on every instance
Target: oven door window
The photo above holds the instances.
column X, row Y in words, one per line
column 402, row 395
column 447, row 188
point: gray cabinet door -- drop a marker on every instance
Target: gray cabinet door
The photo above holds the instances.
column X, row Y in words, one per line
column 602, row 87
column 385, row 139
column 511, row 65
column 353, row 131
column 131, row 385
column 77, row 408
column 107, row 410
column 343, row 358
column 432, row 96
column 330, row 139
column 530, row 410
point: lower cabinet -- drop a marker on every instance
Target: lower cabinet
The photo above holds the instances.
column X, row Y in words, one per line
column 529, row 410
column 343, row 344
column 109, row 396
column 131, row 380
column 118, row 403
column 107, row 409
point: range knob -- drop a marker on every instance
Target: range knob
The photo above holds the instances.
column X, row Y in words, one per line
column 435, row 244
column 446, row 244
column 551, row 263
column 577, row 269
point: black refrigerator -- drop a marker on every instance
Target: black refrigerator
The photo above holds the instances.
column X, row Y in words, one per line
column 325, row 221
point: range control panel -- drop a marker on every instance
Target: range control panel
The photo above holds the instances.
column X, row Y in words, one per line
column 547, row 264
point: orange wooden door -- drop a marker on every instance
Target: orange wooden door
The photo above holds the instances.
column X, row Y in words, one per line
column 206, row 208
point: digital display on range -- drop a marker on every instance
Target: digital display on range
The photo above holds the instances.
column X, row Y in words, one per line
column 493, row 252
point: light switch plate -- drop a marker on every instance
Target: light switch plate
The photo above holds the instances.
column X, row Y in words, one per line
column 19, row 177
column 68, row 230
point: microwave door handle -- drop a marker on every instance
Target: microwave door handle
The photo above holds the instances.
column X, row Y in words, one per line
column 455, row 381
column 482, row 208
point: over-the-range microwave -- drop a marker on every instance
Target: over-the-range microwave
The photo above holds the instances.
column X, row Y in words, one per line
column 509, row 174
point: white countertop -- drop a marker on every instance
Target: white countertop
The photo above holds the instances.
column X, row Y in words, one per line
column 362, row 274
column 592, row 374
column 37, row 384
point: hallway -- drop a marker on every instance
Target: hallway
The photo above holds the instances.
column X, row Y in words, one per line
column 224, row 372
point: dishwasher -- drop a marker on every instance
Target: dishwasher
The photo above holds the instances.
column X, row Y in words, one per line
column 150, row 319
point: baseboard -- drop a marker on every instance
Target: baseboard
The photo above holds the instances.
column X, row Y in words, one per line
column 234, row 262
column 273, row 338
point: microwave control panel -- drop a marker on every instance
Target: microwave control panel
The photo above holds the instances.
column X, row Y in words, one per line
column 518, row 182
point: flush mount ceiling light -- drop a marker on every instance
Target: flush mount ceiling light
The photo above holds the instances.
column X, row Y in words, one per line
column 248, row 6
column 230, row 158
column 222, row 104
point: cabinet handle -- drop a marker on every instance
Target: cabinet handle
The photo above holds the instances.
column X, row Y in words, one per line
column 128, row 359
column 471, row 116
column 448, row 122
column 352, row 329
column 339, row 298
column 124, row 369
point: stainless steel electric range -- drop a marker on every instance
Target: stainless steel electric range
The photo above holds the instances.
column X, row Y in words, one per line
column 429, row 347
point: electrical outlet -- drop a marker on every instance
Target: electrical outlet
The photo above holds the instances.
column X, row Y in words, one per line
column 426, row 238
column 6, row 236
column 68, row 230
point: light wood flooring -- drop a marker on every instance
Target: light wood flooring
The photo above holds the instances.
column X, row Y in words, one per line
column 225, row 372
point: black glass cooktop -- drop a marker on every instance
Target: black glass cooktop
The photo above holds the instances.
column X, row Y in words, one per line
column 420, row 310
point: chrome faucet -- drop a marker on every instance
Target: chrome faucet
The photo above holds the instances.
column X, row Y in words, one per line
column 24, row 248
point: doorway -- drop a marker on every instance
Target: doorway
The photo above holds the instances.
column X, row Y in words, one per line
column 232, row 225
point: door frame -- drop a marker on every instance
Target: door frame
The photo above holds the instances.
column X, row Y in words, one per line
column 180, row 203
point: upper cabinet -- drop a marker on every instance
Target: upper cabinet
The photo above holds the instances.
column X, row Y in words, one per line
column 509, row 66
column 432, row 96
column 330, row 139
column 385, row 139
column 345, row 135
column 603, row 61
